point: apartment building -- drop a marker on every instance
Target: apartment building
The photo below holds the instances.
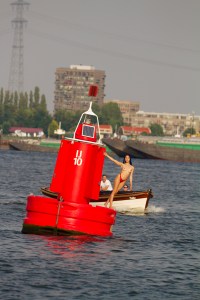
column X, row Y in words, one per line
column 172, row 123
column 72, row 86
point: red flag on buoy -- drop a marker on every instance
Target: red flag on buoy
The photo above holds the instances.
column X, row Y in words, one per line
column 93, row 91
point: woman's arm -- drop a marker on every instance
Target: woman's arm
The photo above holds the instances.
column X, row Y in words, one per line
column 112, row 159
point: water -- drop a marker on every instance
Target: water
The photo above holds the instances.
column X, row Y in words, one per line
column 153, row 256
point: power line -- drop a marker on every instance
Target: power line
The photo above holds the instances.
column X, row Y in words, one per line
column 83, row 27
column 110, row 52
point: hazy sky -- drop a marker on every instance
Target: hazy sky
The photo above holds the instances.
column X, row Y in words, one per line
column 149, row 49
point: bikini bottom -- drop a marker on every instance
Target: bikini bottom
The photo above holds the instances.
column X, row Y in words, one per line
column 120, row 178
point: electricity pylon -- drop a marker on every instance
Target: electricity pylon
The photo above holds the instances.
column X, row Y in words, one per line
column 16, row 74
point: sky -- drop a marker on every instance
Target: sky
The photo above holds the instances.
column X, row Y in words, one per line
column 149, row 49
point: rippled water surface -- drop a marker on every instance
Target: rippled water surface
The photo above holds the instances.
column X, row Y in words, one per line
column 152, row 256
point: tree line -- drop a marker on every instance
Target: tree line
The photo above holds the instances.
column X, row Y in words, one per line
column 23, row 110
column 30, row 110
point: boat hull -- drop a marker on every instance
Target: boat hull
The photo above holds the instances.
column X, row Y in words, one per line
column 22, row 146
column 155, row 151
column 137, row 205
column 120, row 148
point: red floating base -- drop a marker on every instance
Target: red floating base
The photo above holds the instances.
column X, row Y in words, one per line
column 46, row 215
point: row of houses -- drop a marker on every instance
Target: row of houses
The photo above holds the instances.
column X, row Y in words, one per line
column 105, row 131
column 27, row 132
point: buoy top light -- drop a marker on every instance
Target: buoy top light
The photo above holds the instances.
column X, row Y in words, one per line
column 88, row 126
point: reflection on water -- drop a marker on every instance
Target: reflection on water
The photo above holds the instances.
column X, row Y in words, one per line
column 67, row 246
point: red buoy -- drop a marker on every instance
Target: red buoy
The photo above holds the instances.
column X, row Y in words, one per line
column 51, row 216
column 76, row 180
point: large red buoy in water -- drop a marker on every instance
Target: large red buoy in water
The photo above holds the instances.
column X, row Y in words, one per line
column 76, row 180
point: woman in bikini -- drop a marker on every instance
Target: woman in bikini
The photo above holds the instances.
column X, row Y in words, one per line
column 126, row 171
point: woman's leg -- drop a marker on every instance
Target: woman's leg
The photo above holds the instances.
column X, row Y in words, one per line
column 121, row 185
column 118, row 187
column 115, row 190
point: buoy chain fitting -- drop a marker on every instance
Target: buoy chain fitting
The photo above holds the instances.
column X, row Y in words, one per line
column 60, row 198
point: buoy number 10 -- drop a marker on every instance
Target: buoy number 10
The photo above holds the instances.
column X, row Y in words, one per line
column 78, row 159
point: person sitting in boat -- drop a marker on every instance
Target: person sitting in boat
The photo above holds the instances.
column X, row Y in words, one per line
column 125, row 188
column 105, row 184
column 127, row 170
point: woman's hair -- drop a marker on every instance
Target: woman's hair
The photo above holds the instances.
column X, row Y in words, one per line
column 129, row 161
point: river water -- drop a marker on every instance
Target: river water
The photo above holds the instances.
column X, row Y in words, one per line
column 152, row 256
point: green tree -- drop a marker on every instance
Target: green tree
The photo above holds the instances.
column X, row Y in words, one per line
column 96, row 109
column 156, row 130
column 31, row 105
column 36, row 97
column 42, row 119
column 1, row 95
column 23, row 101
column 23, row 110
column 111, row 114
column 1, row 106
column 65, row 117
column 52, row 126
column 16, row 101
column 43, row 103
column 9, row 110
column 76, row 118
column 23, row 118
column 189, row 131
column 6, row 125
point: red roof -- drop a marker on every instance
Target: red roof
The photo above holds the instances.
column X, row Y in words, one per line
column 131, row 129
column 105, row 126
column 26, row 129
